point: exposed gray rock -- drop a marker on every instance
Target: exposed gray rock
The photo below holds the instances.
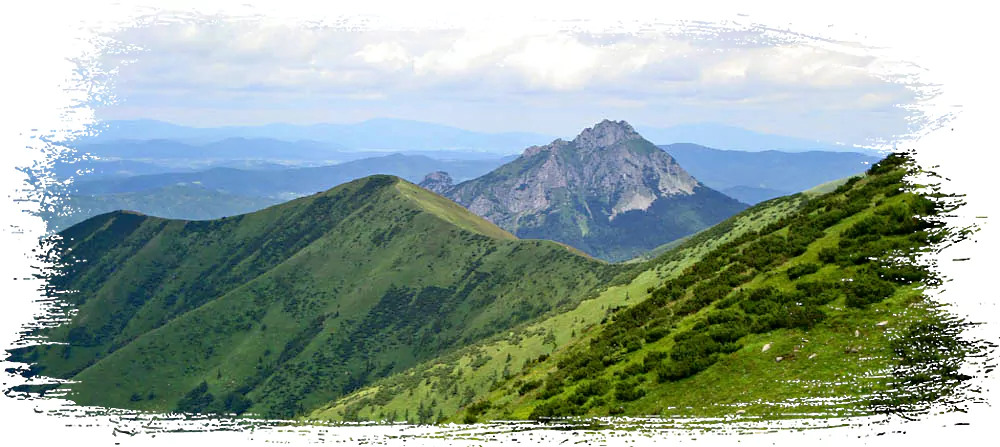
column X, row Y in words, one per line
column 438, row 182
column 573, row 192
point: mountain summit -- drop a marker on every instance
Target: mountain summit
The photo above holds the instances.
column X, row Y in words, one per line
column 609, row 192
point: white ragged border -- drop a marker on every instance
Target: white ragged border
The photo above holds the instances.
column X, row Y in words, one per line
column 48, row 81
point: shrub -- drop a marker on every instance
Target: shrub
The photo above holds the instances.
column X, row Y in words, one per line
column 655, row 334
column 867, row 288
column 628, row 392
column 800, row 270
column 528, row 386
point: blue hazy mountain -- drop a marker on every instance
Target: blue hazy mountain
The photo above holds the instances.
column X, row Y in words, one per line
column 753, row 177
column 228, row 149
column 721, row 136
column 374, row 134
column 287, row 183
column 389, row 134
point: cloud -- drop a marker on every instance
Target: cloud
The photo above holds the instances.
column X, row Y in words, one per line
column 246, row 62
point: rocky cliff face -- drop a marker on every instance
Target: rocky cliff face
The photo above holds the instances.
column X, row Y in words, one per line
column 438, row 182
column 589, row 191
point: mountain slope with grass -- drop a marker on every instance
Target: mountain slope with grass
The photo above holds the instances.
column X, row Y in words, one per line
column 279, row 311
column 809, row 307
column 608, row 192
column 440, row 388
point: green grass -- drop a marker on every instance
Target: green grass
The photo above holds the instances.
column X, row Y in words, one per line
column 852, row 357
column 378, row 300
column 434, row 381
column 295, row 305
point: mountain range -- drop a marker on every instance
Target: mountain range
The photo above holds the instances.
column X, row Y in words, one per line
column 608, row 192
column 725, row 137
column 381, row 300
column 290, row 182
column 373, row 134
column 754, row 177
column 407, row 135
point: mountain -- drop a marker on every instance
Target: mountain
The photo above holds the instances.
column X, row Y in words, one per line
column 734, row 138
column 180, row 201
column 377, row 134
column 294, row 182
column 608, row 192
column 231, row 148
column 280, row 310
column 809, row 304
column 379, row 300
column 827, row 298
column 757, row 176
column 437, row 182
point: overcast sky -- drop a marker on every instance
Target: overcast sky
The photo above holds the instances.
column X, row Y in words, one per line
column 554, row 82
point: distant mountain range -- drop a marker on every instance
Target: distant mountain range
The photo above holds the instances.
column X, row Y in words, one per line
column 725, row 137
column 201, row 189
column 753, row 177
column 608, row 192
column 374, row 134
column 406, row 135
column 289, row 183
column 221, row 191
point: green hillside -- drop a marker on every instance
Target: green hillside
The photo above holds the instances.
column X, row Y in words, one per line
column 806, row 308
column 443, row 386
column 379, row 300
column 279, row 311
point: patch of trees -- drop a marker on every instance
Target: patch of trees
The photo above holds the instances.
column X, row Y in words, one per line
column 719, row 278
column 200, row 400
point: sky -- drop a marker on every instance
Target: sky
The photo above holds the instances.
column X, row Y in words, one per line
column 553, row 81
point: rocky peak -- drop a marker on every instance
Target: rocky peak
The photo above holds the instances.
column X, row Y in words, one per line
column 606, row 133
column 438, row 182
column 559, row 142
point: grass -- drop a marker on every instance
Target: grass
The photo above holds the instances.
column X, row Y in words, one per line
column 844, row 354
column 378, row 300
column 434, row 380
column 292, row 306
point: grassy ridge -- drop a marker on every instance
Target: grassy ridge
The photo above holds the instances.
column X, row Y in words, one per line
column 279, row 311
column 444, row 386
column 813, row 288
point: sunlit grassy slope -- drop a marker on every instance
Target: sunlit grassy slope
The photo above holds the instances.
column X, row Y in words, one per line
column 805, row 309
column 685, row 333
column 281, row 310
column 444, row 385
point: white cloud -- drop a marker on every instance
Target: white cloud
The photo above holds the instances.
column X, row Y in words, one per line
column 390, row 53
column 249, row 61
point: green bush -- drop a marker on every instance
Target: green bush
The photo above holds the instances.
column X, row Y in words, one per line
column 528, row 386
column 867, row 288
column 628, row 392
column 800, row 270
